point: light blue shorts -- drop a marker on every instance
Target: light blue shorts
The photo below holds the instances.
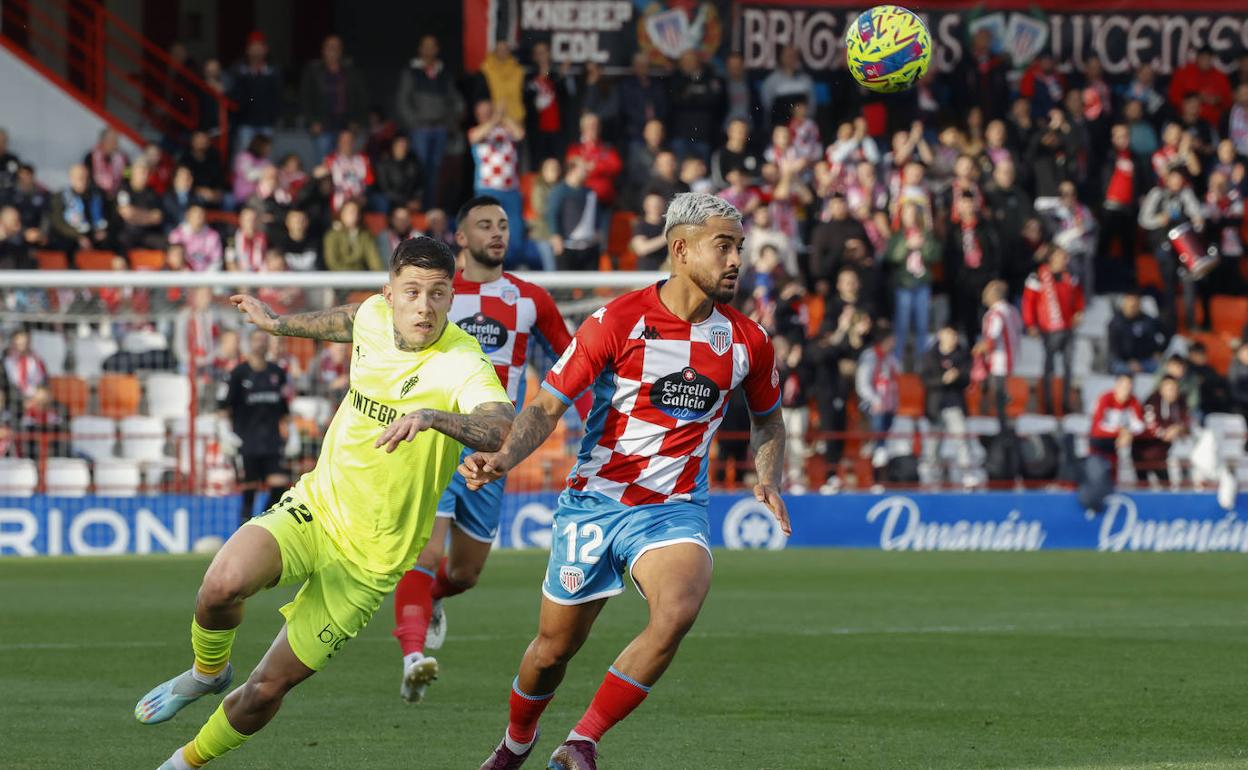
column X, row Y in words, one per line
column 596, row 539
column 475, row 513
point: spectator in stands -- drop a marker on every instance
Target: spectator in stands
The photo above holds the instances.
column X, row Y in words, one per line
column 332, row 96
column 828, row 239
column 438, row 227
column 398, row 229
column 946, row 373
column 209, row 108
column 601, row 162
column 1143, row 89
column 664, row 178
column 428, row 106
column 24, row 370
column 290, row 175
column 504, row 76
column 8, row 423
column 204, row 251
column 1204, row 136
column 735, row 154
column 1075, row 231
column 1237, row 379
column 693, row 174
column 741, row 101
column 696, row 96
column 852, row 146
column 348, row 246
column 972, row 261
column 786, row 83
column 255, row 404
column 316, row 199
column 979, row 79
column 641, row 158
column 256, row 88
column 16, row 241
column 400, row 179
column 495, row 150
column 1052, row 153
column 1237, row 121
column 997, row 349
column 547, row 108
column 170, row 299
column 9, row 163
column 1116, row 421
column 350, row 170
column 196, row 331
column 248, row 245
column 877, row 385
column 28, row 197
column 743, row 197
column 643, row 98
column 141, row 212
column 269, row 200
column 1200, row 78
column 206, row 167
column 43, row 414
column 1176, row 153
column 763, row 235
column 1136, row 340
column 1224, row 213
column 80, row 216
column 648, row 242
column 1176, row 367
column 593, row 94
column 1053, row 303
column 911, row 253
column 221, row 362
column 180, row 196
column 1169, row 204
column 332, row 371
column 300, row 248
column 1213, row 392
column 572, row 215
column 107, row 163
column 1008, row 208
column 1122, row 186
column 795, row 382
column 539, row 197
column 1166, row 420
column 1042, row 85
column 249, row 165
column 787, row 195
column 282, row 299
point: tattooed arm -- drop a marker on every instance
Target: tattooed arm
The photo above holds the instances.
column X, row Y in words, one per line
column 767, row 439
column 333, row 324
column 531, row 428
column 484, row 429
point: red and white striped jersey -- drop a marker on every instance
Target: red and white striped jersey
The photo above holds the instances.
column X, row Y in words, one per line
column 1003, row 331
column 661, row 386
column 501, row 315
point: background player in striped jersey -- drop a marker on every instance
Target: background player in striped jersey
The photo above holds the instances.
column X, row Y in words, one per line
column 503, row 313
column 662, row 363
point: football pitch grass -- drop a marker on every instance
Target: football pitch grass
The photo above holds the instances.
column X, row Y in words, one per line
column 801, row 659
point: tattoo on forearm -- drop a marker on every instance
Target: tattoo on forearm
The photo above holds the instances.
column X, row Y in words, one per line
column 532, row 427
column 483, row 430
column 334, row 324
column 767, row 439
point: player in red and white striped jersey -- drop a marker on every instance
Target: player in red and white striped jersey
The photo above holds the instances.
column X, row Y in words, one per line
column 502, row 312
column 661, row 364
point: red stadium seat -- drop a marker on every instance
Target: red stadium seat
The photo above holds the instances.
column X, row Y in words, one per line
column 51, row 260
column 911, row 395
column 1229, row 314
column 374, row 222
column 72, row 392
column 92, row 259
column 147, row 259
column 119, row 395
column 1147, row 273
column 526, row 189
column 418, row 221
column 1019, row 391
column 620, row 233
column 1219, row 348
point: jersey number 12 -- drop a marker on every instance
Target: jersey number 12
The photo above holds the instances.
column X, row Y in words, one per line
column 591, row 533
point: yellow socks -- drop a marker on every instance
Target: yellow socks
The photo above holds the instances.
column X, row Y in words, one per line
column 216, row 737
column 212, row 648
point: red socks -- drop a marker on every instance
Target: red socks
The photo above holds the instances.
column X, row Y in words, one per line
column 525, row 711
column 413, row 606
column 442, row 585
column 616, row 698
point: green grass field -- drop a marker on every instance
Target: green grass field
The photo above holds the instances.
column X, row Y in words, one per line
column 801, row 659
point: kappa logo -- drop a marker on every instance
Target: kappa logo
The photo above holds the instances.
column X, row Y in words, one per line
column 650, row 333
column 571, row 578
column 721, row 340
column 408, row 384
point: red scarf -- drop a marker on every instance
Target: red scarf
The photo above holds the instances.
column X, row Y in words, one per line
column 884, row 379
column 1121, row 188
column 1048, row 295
column 972, row 254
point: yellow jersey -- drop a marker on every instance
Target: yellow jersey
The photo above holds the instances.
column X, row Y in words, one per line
column 377, row 507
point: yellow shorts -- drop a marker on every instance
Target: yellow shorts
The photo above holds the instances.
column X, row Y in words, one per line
column 338, row 598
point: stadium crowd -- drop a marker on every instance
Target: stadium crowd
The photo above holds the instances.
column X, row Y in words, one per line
column 895, row 244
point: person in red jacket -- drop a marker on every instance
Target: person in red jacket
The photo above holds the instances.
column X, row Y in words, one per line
column 603, row 165
column 1053, row 303
column 1202, row 78
column 1116, row 421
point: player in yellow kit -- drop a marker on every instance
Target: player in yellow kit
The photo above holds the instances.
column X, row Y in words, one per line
column 350, row 528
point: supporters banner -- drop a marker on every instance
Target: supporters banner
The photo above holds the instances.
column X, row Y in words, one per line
column 611, row 31
column 898, row 522
column 1123, row 35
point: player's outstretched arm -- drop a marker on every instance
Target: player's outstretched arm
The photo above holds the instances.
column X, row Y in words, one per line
column 767, row 439
column 531, row 428
column 483, row 429
column 333, row 324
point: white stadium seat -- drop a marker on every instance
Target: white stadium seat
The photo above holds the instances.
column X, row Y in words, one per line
column 1078, row 425
column 143, row 438
column 89, row 355
column 314, row 408
column 93, row 436
column 51, row 349
column 1094, row 386
column 168, row 395
column 1143, row 386
column 1083, row 358
column 1231, row 431
column 67, row 477
column 117, row 478
column 1030, row 357
column 18, row 477
column 901, row 437
column 1036, row 425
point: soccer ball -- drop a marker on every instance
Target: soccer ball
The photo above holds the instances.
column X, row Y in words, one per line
column 888, row 48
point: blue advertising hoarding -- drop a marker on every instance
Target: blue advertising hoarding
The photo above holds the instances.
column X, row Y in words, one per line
column 895, row 522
